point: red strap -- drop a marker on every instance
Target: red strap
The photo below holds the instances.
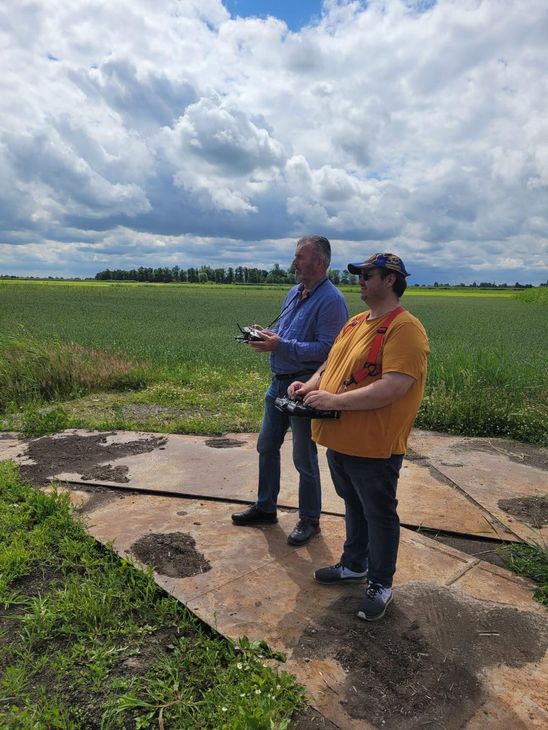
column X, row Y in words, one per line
column 372, row 365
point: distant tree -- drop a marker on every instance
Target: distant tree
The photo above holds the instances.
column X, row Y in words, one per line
column 277, row 275
column 335, row 276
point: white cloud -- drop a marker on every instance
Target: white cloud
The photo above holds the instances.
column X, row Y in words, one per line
column 417, row 127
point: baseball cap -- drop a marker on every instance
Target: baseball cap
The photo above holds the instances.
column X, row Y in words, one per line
column 381, row 261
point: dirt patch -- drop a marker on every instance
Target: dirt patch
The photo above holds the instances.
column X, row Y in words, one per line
column 98, row 497
column 172, row 553
column 533, row 510
column 488, row 550
column 107, row 473
column 224, row 443
column 311, row 719
column 421, row 665
column 78, row 453
column 527, row 454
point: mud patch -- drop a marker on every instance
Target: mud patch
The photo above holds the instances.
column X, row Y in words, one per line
column 533, row 510
column 99, row 497
column 173, row 554
column 224, row 443
column 421, row 665
column 78, row 453
column 107, row 473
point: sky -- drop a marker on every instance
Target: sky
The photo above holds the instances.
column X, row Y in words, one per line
column 188, row 132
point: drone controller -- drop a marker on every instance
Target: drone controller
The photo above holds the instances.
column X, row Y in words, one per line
column 298, row 408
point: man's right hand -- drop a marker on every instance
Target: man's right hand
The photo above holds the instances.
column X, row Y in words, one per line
column 297, row 389
column 293, row 391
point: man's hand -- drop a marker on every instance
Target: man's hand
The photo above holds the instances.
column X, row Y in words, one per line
column 322, row 400
column 390, row 388
column 269, row 342
column 298, row 389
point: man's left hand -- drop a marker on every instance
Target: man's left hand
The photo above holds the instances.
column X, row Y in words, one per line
column 322, row 400
column 269, row 342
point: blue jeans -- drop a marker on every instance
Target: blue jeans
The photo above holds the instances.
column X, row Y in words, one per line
column 368, row 487
column 305, row 455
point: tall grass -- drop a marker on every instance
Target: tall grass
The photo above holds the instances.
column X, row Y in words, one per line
column 34, row 371
column 536, row 296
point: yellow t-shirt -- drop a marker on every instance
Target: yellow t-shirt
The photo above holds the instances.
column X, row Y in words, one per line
column 381, row 432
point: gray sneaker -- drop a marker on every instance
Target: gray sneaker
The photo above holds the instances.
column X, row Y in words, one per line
column 339, row 574
column 377, row 598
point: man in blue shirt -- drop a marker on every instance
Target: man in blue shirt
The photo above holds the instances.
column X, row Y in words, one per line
column 312, row 315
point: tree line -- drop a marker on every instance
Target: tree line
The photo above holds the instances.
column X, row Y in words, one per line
column 205, row 274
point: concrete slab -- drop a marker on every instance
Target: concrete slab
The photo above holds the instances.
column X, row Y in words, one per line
column 489, row 471
column 226, row 468
column 473, row 623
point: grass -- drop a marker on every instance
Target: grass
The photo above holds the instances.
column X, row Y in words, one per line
column 88, row 641
column 530, row 561
column 168, row 361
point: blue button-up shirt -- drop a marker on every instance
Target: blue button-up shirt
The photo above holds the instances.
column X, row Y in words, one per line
column 308, row 327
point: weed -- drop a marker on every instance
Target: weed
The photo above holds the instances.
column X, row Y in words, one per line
column 41, row 422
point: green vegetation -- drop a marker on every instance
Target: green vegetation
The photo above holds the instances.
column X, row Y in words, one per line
column 167, row 357
column 87, row 640
column 530, row 561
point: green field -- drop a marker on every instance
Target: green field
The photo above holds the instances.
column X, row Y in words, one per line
column 163, row 357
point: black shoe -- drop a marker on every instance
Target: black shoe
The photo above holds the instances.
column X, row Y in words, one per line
column 339, row 574
column 254, row 516
column 304, row 531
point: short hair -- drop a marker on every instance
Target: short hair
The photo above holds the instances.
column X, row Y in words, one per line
column 322, row 247
column 400, row 285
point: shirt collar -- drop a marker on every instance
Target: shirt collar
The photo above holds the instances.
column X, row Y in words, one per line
column 311, row 291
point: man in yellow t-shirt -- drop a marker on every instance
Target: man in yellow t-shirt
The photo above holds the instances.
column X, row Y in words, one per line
column 374, row 375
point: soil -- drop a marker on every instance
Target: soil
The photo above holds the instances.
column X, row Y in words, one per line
column 84, row 454
column 421, row 665
column 224, row 443
column 527, row 454
column 488, row 550
column 533, row 510
column 310, row 719
column 107, row 473
column 172, row 553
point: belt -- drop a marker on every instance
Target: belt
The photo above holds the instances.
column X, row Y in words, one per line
column 294, row 376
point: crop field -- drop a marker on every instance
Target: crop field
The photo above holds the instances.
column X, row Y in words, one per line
column 163, row 357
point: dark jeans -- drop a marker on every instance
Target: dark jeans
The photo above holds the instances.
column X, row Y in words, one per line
column 368, row 487
column 305, row 455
